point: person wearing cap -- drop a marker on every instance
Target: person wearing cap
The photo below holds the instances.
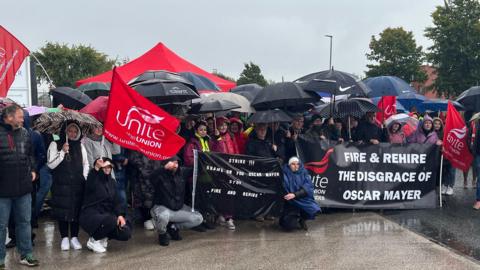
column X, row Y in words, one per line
column 103, row 213
column 299, row 202
column 316, row 131
column 67, row 158
column 169, row 213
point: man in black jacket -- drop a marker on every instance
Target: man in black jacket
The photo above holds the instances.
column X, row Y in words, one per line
column 368, row 132
column 17, row 171
column 169, row 212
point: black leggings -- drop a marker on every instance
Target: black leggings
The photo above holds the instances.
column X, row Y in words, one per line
column 110, row 230
column 291, row 216
column 64, row 225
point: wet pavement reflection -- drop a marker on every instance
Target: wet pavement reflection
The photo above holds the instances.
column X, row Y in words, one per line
column 342, row 240
column 456, row 225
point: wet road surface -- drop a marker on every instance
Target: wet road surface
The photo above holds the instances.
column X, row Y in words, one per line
column 334, row 241
column 456, row 224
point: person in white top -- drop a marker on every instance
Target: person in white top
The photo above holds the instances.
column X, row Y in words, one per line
column 67, row 158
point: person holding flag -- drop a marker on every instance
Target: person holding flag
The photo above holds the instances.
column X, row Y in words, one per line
column 455, row 141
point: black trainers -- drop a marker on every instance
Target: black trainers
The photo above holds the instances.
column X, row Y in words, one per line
column 303, row 224
column 199, row 228
column 29, row 260
column 11, row 244
column 174, row 232
column 164, row 239
column 208, row 225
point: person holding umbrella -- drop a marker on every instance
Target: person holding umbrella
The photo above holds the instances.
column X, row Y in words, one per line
column 68, row 161
column 369, row 132
column 236, row 128
column 395, row 133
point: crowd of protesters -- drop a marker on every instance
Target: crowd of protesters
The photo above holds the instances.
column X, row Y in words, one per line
column 90, row 182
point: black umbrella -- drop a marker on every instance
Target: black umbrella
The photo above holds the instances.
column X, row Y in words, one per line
column 333, row 82
column 69, row 98
column 249, row 91
column 161, row 75
column 95, row 89
column 200, row 82
column 206, row 105
column 470, row 99
column 282, row 95
column 165, row 92
column 356, row 107
column 270, row 116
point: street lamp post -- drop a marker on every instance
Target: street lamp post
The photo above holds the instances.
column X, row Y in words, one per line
column 331, row 38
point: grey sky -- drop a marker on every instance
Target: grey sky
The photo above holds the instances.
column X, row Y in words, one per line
column 286, row 38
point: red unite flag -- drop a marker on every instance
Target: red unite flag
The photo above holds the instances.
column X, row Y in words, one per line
column 455, row 140
column 387, row 106
column 12, row 54
column 134, row 122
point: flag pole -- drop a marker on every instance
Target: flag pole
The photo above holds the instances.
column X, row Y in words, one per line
column 195, row 176
column 441, row 176
column 44, row 70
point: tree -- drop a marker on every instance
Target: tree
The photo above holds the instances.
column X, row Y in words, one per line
column 396, row 54
column 223, row 76
column 251, row 74
column 68, row 64
column 455, row 52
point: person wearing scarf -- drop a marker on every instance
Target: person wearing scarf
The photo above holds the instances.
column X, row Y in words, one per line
column 103, row 213
column 68, row 161
column 299, row 202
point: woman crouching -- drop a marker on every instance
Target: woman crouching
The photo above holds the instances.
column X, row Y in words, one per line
column 300, row 204
column 103, row 214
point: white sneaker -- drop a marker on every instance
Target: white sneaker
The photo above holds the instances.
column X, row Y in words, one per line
column 104, row 242
column 65, row 244
column 221, row 220
column 444, row 189
column 230, row 224
column 95, row 246
column 449, row 191
column 75, row 243
column 149, row 225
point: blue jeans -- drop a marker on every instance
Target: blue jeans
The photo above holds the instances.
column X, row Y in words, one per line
column 477, row 167
column 122, row 186
column 22, row 212
column 45, row 185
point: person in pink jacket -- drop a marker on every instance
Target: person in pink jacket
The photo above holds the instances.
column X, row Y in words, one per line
column 395, row 133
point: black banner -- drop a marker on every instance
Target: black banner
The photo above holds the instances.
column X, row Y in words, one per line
column 383, row 176
column 239, row 185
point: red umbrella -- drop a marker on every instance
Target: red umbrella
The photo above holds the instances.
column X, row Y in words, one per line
column 97, row 108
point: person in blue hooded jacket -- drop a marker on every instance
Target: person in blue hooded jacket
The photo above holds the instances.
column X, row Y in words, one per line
column 300, row 204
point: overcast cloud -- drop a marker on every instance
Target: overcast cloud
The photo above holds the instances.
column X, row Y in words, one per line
column 286, row 38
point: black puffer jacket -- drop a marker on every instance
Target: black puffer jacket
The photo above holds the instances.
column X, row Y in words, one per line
column 143, row 188
column 101, row 201
column 169, row 188
column 16, row 161
column 68, row 181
